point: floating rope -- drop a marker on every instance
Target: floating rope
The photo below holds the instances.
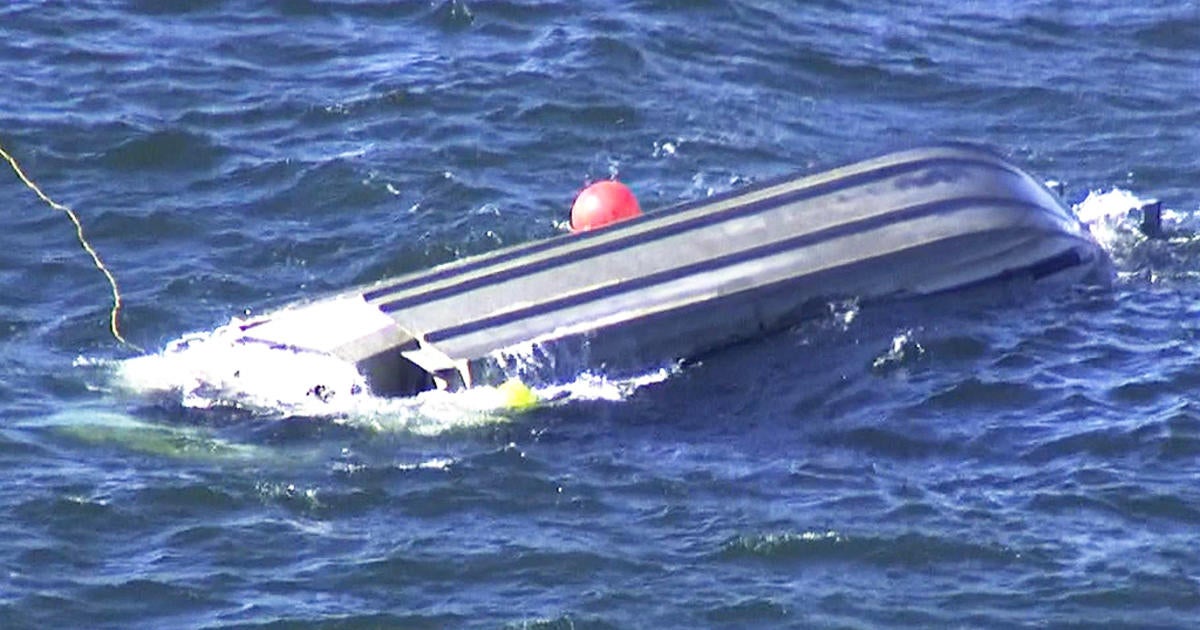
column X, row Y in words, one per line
column 87, row 247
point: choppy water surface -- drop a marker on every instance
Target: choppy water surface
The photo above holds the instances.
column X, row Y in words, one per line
column 996, row 461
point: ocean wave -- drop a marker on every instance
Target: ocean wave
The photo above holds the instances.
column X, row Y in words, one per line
column 903, row 550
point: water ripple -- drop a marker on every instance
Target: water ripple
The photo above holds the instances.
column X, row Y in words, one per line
column 912, row 550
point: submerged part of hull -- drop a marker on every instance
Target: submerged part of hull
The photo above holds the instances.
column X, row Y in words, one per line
column 701, row 275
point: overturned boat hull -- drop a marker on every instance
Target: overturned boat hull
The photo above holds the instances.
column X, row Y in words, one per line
column 688, row 279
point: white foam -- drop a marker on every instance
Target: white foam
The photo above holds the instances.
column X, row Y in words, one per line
column 1107, row 206
column 1114, row 218
column 1109, row 215
column 221, row 370
column 593, row 386
column 904, row 349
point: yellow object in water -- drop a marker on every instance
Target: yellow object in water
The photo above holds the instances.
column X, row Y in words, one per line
column 517, row 395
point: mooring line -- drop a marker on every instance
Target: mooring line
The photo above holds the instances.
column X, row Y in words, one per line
column 87, row 247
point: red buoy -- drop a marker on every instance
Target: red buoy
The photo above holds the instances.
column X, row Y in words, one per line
column 602, row 203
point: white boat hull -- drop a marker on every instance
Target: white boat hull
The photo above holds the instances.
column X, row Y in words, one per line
column 689, row 279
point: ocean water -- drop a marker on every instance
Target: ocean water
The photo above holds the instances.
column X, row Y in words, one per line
column 1006, row 461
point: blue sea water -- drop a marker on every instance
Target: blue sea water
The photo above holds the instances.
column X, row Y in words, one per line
column 998, row 461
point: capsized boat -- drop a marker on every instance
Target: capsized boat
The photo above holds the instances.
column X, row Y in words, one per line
column 678, row 282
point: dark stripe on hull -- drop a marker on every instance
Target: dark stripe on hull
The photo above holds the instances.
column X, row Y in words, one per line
column 1040, row 270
